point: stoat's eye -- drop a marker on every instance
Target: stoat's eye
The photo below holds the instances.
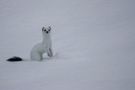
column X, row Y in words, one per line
column 49, row 28
column 44, row 30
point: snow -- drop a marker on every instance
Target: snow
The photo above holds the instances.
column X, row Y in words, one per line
column 93, row 42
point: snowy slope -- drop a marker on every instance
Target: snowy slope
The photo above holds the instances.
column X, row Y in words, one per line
column 93, row 41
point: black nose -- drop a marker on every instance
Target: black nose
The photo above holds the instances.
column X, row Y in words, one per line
column 47, row 32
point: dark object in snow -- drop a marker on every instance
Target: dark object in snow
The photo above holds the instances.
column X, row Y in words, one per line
column 14, row 59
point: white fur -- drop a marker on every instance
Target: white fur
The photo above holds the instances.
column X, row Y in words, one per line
column 44, row 47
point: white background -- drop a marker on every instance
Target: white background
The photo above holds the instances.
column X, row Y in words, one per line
column 93, row 42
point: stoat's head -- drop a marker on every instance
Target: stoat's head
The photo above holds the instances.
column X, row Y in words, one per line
column 46, row 30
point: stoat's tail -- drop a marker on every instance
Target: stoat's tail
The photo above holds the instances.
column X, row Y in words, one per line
column 15, row 59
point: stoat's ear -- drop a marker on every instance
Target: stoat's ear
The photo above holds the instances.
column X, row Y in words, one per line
column 49, row 28
column 43, row 28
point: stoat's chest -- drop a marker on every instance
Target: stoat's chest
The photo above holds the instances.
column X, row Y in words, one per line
column 46, row 43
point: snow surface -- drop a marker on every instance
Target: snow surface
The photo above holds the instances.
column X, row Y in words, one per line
column 93, row 41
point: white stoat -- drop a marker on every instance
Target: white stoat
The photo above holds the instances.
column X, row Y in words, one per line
column 39, row 49
column 44, row 47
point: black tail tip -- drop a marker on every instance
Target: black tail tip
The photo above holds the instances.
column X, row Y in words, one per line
column 14, row 59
